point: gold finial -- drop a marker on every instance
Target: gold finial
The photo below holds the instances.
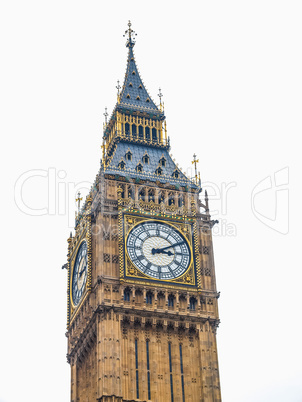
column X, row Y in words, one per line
column 160, row 95
column 129, row 32
column 78, row 200
column 195, row 161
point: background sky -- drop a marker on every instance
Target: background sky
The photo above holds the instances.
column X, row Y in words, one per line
column 230, row 72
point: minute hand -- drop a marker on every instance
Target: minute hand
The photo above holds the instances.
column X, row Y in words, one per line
column 172, row 245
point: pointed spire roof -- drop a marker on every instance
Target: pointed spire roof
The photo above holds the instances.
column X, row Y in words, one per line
column 134, row 94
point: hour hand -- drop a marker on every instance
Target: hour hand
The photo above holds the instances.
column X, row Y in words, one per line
column 81, row 273
column 160, row 251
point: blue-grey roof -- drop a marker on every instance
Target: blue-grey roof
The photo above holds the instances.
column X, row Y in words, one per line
column 155, row 154
column 133, row 88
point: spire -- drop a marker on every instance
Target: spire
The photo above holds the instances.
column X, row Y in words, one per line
column 134, row 93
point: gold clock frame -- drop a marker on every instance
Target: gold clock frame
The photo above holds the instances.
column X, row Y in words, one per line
column 128, row 271
column 82, row 234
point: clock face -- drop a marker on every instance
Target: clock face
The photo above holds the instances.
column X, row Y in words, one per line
column 79, row 276
column 158, row 250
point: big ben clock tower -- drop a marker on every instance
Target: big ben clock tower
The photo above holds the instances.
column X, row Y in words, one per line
column 142, row 299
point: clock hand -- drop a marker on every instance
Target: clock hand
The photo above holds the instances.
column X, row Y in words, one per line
column 165, row 252
column 161, row 250
column 81, row 273
column 172, row 245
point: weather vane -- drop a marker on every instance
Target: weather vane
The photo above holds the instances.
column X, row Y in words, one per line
column 78, row 200
column 195, row 161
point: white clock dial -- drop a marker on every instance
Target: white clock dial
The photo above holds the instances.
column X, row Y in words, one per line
column 158, row 250
column 79, row 276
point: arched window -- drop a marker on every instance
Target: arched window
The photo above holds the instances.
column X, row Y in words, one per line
column 171, row 199
column 149, row 298
column 128, row 155
column 161, row 198
column 127, row 130
column 130, row 193
column 127, row 294
column 192, row 303
column 122, row 164
column 154, row 135
column 141, row 194
column 175, row 174
column 134, row 133
column 123, row 191
column 145, row 158
column 159, row 171
column 162, row 161
column 139, row 167
column 147, row 132
column 170, row 301
column 151, row 195
column 181, row 201
column 141, row 132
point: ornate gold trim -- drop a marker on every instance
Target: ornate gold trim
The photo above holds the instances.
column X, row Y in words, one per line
column 129, row 272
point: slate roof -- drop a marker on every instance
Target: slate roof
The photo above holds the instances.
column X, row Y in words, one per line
column 155, row 154
column 134, row 94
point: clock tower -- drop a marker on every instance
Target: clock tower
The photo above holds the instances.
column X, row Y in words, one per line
column 142, row 298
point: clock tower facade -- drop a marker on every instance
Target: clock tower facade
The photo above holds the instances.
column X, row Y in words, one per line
column 142, row 298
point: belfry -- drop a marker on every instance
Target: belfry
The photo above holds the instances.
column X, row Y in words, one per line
column 142, row 299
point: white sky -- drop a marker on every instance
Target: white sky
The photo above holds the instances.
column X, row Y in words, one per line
column 230, row 72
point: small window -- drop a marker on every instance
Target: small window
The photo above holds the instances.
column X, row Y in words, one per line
column 161, row 198
column 122, row 164
column 132, row 58
column 170, row 199
column 151, row 196
column 128, row 155
column 146, row 158
column 127, row 294
column 133, row 72
column 140, row 86
column 170, row 301
column 128, row 96
column 141, row 194
column 162, row 161
column 159, row 171
column 148, row 100
column 141, row 132
column 130, row 85
column 175, row 174
column 134, row 130
column 138, row 98
column 139, row 167
column 149, row 298
column 192, row 303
